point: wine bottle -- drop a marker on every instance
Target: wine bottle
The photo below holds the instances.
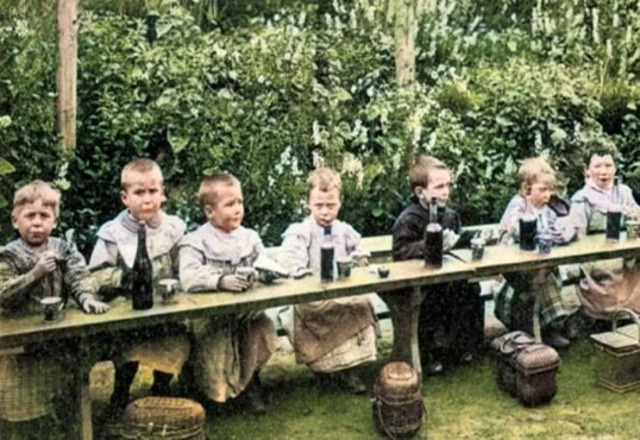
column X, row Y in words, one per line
column 142, row 282
column 433, row 238
column 326, row 256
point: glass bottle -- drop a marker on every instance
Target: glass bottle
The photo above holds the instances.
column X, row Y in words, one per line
column 433, row 238
column 327, row 255
column 142, row 274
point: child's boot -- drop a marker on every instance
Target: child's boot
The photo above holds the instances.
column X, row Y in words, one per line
column 161, row 383
column 124, row 376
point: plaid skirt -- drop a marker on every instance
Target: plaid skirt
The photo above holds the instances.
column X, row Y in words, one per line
column 514, row 302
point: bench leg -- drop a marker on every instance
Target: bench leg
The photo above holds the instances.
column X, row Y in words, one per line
column 81, row 392
column 405, row 311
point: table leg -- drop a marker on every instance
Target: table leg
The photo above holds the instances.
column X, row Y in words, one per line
column 82, row 394
column 405, row 311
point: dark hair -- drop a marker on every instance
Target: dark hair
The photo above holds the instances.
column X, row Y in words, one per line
column 422, row 168
column 600, row 147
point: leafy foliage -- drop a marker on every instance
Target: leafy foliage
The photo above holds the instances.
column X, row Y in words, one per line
column 266, row 90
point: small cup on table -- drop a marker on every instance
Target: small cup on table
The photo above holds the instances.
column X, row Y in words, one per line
column 477, row 248
column 344, row 267
column 248, row 274
column 51, row 307
column 633, row 229
column 169, row 287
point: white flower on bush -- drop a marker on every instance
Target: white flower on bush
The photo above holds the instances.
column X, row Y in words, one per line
column 352, row 166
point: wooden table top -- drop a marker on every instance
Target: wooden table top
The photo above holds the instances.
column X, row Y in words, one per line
column 500, row 258
column 406, row 274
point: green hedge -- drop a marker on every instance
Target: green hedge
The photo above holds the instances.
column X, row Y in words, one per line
column 268, row 96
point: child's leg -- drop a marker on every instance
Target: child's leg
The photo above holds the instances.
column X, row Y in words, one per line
column 125, row 373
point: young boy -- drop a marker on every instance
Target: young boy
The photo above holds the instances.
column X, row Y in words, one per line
column 514, row 302
column 589, row 209
column 230, row 349
column 332, row 336
column 164, row 348
column 451, row 315
column 33, row 267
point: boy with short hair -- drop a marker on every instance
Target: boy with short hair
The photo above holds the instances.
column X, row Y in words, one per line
column 451, row 315
column 589, row 207
column 333, row 336
column 515, row 301
column 230, row 349
column 164, row 348
column 34, row 267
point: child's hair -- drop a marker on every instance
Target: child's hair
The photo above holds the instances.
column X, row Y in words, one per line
column 35, row 190
column 599, row 147
column 207, row 192
column 421, row 169
column 325, row 179
column 140, row 165
column 535, row 170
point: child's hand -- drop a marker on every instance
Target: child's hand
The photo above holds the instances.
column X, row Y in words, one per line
column 92, row 305
column 45, row 265
column 449, row 239
column 233, row 283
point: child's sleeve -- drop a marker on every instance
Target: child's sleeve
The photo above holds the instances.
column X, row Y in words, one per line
column 294, row 251
column 408, row 239
column 103, row 264
column 14, row 287
column 195, row 274
column 76, row 277
column 509, row 223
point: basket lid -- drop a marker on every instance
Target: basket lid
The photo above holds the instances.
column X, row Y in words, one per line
column 398, row 378
column 164, row 410
column 623, row 340
column 536, row 358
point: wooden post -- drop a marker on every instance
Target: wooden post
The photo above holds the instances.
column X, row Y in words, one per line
column 406, row 12
column 67, row 71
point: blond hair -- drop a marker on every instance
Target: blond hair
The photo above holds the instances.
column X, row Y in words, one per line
column 140, row 165
column 37, row 190
column 422, row 168
column 324, row 179
column 208, row 187
column 535, row 170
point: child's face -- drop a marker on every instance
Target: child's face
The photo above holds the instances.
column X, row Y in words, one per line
column 539, row 194
column 144, row 195
column 439, row 186
column 324, row 205
column 34, row 222
column 601, row 170
column 228, row 210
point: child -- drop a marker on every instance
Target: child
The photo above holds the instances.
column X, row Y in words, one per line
column 332, row 336
column 589, row 209
column 163, row 348
column 451, row 315
column 514, row 302
column 230, row 349
column 33, row 267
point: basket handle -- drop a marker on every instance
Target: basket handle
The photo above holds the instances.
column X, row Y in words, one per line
column 633, row 316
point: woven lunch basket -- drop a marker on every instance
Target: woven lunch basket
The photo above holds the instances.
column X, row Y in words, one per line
column 152, row 418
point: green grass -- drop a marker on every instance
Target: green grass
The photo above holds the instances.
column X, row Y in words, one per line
column 464, row 403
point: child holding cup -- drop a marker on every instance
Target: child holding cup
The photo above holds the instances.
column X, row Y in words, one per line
column 38, row 268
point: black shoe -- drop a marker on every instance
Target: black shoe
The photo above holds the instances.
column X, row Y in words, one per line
column 253, row 399
column 434, row 368
column 351, row 381
column 556, row 340
column 161, row 383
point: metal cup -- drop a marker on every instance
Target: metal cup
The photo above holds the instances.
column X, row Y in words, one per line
column 169, row 287
column 633, row 229
column 247, row 274
column 344, row 268
column 545, row 242
column 51, row 307
column 477, row 249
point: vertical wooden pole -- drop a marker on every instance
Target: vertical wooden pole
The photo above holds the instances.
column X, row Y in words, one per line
column 67, row 71
column 406, row 23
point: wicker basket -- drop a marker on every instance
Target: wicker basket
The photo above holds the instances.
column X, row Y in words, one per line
column 618, row 356
column 152, row 418
column 397, row 401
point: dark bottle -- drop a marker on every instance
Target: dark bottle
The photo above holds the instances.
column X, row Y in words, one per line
column 433, row 238
column 326, row 256
column 142, row 274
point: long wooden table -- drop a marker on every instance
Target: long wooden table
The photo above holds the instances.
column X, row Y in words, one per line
column 402, row 291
